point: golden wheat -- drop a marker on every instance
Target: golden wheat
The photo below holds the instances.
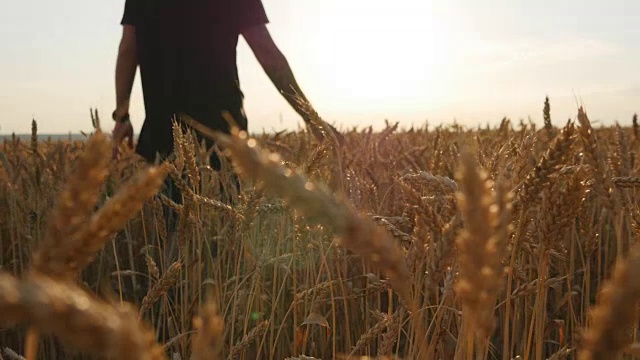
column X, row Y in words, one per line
column 466, row 276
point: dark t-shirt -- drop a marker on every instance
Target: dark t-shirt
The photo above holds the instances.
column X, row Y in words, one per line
column 188, row 61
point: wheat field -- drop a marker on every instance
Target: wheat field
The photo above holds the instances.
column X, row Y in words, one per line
column 511, row 242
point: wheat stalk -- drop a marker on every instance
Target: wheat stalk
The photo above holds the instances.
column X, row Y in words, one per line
column 318, row 204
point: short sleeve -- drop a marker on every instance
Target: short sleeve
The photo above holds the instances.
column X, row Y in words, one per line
column 251, row 14
column 132, row 12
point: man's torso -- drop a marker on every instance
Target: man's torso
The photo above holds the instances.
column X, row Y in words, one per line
column 187, row 56
column 187, row 53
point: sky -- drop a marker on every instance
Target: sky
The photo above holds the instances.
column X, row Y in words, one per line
column 359, row 62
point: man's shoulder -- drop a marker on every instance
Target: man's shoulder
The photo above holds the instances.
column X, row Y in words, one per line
column 191, row 9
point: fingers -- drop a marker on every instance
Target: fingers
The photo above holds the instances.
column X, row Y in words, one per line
column 121, row 132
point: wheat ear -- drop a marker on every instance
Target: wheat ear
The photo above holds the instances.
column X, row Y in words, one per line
column 169, row 279
column 479, row 249
column 75, row 203
column 255, row 333
column 615, row 315
column 72, row 255
column 78, row 319
column 209, row 338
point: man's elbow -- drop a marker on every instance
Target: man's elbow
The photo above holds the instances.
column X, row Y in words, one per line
column 272, row 60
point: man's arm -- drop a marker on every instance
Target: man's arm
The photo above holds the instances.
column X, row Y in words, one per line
column 126, row 66
column 277, row 68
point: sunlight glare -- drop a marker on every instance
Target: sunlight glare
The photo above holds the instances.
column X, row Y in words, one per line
column 378, row 54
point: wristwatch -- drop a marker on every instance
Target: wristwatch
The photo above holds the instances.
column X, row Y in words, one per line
column 125, row 118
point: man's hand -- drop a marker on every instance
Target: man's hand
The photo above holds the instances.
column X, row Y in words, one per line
column 321, row 129
column 122, row 131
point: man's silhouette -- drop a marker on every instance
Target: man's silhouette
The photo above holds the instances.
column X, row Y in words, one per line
column 186, row 50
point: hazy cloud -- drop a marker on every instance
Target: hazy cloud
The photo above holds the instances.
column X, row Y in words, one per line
column 520, row 52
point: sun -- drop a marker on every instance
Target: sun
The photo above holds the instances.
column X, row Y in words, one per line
column 377, row 55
